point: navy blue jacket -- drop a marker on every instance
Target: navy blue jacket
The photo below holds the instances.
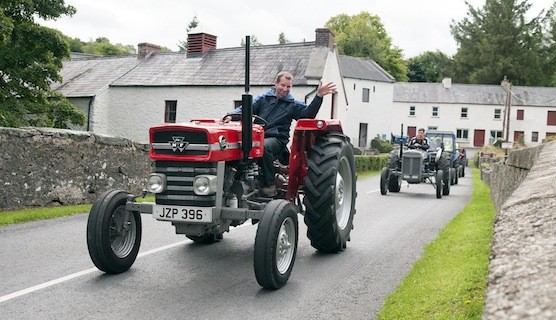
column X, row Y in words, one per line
column 279, row 113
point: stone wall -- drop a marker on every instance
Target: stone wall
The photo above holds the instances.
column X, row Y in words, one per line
column 522, row 271
column 43, row 166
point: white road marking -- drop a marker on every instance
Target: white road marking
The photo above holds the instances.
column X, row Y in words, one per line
column 85, row 272
column 377, row 190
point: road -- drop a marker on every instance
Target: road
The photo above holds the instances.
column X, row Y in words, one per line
column 46, row 272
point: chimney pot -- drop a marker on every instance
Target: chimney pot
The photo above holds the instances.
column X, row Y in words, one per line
column 199, row 43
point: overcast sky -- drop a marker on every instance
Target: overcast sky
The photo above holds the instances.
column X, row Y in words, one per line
column 414, row 26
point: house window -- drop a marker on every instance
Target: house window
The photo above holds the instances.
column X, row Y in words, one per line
column 237, row 103
column 497, row 113
column 551, row 118
column 462, row 134
column 411, row 110
column 519, row 114
column 432, row 128
column 435, row 111
column 534, row 136
column 464, row 112
column 365, row 94
column 170, row 111
column 495, row 135
column 362, row 135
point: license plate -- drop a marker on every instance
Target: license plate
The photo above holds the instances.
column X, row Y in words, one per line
column 179, row 213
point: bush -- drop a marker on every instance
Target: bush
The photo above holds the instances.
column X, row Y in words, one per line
column 381, row 145
column 370, row 163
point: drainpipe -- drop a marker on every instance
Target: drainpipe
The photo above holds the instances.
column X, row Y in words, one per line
column 89, row 113
column 310, row 93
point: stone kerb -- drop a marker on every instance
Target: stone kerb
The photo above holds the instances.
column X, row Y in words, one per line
column 43, row 166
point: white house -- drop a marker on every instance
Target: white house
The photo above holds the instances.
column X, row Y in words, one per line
column 126, row 96
column 476, row 113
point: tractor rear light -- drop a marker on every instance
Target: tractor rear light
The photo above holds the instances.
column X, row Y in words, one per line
column 204, row 185
column 156, row 183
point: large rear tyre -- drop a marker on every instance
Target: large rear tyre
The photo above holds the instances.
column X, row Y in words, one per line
column 330, row 193
column 438, row 183
column 444, row 166
column 113, row 233
column 384, row 180
column 276, row 244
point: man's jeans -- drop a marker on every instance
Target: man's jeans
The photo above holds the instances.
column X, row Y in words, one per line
column 272, row 148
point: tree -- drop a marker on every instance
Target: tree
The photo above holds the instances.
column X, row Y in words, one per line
column 548, row 52
column 430, row 66
column 31, row 58
column 182, row 45
column 254, row 41
column 497, row 40
column 282, row 38
column 363, row 35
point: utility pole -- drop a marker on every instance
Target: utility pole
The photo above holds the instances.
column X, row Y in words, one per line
column 507, row 106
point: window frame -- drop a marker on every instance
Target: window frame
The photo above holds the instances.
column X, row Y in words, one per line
column 366, row 95
column 169, row 114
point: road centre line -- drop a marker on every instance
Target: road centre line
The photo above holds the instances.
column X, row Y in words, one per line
column 377, row 190
column 51, row 283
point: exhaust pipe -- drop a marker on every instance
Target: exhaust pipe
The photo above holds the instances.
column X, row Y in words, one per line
column 247, row 108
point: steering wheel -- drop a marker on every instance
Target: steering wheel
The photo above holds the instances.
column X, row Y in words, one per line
column 261, row 119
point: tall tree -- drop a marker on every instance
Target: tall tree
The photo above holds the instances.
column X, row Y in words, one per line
column 182, row 45
column 497, row 40
column 282, row 38
column 549, row 50
column 430, row 66
column 363, row 35
column 30, row 60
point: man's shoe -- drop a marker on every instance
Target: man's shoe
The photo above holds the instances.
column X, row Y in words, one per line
column 269, row 191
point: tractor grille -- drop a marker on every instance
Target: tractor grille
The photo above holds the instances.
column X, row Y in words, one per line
column 179, row 183
column 178, row 142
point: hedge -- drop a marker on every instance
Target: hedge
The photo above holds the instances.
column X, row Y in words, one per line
column 371, row 163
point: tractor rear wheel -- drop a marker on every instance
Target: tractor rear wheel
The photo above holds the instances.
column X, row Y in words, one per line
column 330, row 192
column 444, row 165
column 438, row 183
column 276, row 244
column 113, row 233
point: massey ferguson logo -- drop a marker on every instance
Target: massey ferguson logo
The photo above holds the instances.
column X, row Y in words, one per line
column 178, row 144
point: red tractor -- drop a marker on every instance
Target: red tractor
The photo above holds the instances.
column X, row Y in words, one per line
column 205, row 181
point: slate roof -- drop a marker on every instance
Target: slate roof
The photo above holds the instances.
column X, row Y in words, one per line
column 365, row 69
column 86, row 76
column 419, row 92
column 225, row 67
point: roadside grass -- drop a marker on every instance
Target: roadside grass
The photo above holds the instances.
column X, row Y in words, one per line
column 32, row 214
column 449, row 281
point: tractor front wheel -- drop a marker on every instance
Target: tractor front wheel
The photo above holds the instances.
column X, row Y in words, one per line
column 113, row 233
column 384, row 180
column 330, row 192
column 276, row 244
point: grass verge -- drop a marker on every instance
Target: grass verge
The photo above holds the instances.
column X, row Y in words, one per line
column 31, row 214
column 449, row 281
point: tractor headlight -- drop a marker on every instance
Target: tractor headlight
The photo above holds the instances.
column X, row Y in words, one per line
column 204, row 185
column 156, row 183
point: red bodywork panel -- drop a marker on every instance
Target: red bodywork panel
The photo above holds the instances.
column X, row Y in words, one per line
column 305, row 135
column 214, row 130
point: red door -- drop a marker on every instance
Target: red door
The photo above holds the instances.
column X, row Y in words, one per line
column 479, row 138
column 518, row 134
column 411, row 132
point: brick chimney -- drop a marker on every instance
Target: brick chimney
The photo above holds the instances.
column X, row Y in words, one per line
column 324, row 37
column 199, row 43
column 144, row 49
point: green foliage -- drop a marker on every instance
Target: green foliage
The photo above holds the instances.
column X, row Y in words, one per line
column 282, row 38
column 182, row 45
column 430, row 67
column 497, row 40
column 364, row 35
column 31, row 60
column 370, row 163
column 100, row 47
column 381, row 145
column 449, row 281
